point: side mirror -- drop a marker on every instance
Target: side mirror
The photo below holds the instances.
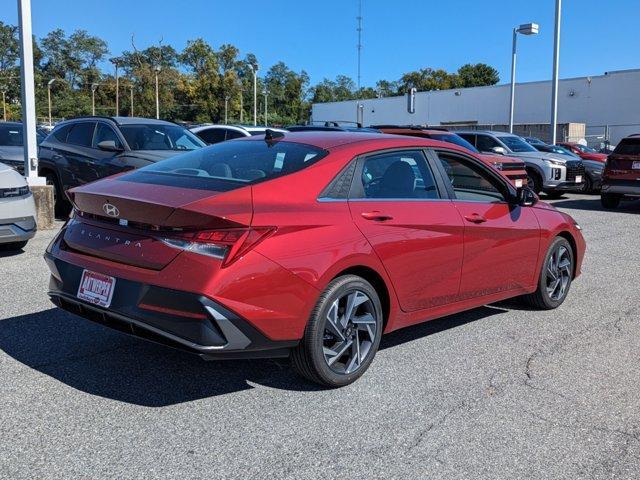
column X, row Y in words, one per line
column 109, row 146
column 499, row 150
column 525, row 197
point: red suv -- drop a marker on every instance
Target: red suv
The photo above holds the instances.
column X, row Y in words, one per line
column 512, row 168
column 584, row 152
column 309, row 245
column 621, row 174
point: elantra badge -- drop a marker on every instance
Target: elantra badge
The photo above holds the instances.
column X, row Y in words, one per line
column 111, row 210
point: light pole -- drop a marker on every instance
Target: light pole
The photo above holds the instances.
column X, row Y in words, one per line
column 131, row 95
column 524, row 29
column 226, row 108
column 157, row 70
column 94, row 87
column 241, row 108
column 254, row 70
column 116, row 62
column 556, row 65
column 49, row 83
column 265, row 93
column 4, row 105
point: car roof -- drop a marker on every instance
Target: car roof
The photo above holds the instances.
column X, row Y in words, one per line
column 120, row 120
column 11, row 123
column 487, row 132
column 332, row 139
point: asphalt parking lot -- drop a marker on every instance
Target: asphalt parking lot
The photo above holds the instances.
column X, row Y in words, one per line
column 498, row 392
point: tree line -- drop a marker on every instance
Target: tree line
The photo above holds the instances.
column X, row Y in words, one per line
column 197, row 84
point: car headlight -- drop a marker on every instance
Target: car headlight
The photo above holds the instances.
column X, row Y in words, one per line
column 555, row 162
column 14, row 192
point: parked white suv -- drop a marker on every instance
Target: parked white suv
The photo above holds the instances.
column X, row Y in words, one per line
column 547, row 172
column 211, row 134
column 17, row 210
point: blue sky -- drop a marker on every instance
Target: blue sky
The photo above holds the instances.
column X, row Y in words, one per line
column 320, row 36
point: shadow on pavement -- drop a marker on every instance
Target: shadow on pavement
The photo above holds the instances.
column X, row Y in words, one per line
column 103, row 362
column 593, row 204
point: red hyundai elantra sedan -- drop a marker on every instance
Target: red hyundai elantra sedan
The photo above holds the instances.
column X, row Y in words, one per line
column 308, row 245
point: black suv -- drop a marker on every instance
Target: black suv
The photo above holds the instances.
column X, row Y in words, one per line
column 85, row 149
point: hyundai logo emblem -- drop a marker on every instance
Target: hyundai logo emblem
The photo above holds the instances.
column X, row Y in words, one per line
column 111, row 210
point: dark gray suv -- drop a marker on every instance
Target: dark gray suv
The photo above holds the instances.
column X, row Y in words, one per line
column 85, row 149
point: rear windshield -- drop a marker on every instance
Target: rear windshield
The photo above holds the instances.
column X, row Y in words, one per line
column 628, row 146
column 160, row 137
column 455, row 139
column 229, row 165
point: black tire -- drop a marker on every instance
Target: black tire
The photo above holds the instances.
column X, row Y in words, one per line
column 554, row 194
column 534, row 181
column 13, row 246
column 62, row 205
column 542, row 298
column 610, row 200
column 309, row 357
column 587, row 187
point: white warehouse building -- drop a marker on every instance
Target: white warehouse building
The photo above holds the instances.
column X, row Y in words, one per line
column 608, row 105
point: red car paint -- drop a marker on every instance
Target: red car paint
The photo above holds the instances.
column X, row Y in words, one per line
column 582, row 153
column 431, row 257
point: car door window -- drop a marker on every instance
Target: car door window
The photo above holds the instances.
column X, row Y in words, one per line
column 471, row 182
column 81, row 134
column 212, row 135
column 231, row 134
column 398, row 175
column 485, row 143
column 103, row 133
column 11, row 135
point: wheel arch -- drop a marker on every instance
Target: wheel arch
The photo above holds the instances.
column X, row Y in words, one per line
column 377, row 282
column 574, row 248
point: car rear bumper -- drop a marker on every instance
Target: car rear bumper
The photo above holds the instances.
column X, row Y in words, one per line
column 621, row 187
column 178, row 319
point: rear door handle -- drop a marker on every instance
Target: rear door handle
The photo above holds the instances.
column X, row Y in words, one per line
column 376, row 216
column 475, row 218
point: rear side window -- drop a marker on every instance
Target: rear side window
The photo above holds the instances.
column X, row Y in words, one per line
column 628, row 146
column 230, row 165
column 81, row 134
column 231, row 134
column 60, row 133
column 11, row 136
column 212, row 135
column 398, row 175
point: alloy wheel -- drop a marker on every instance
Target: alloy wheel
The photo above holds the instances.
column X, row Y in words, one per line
column 558, row 273
column 350, row 331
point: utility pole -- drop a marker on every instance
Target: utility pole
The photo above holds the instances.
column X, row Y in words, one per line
column 359, row 46
column 4, row 105
column 27, row 85
column 49, row 83
column 265, row 93
column 556, row 66
column 94, row 87
column 157, row 70
column 116, row 62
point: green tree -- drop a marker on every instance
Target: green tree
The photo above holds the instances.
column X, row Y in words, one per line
column 477, row 75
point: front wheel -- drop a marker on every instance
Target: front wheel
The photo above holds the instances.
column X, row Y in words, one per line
column 343, row 333
column 534, row 182
column 555, row 278
column 610, row 200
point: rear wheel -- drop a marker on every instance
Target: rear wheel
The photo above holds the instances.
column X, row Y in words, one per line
column 343, row 333
column 587, row 187
column 610, row 200
column 62, row 206
column 555, row 278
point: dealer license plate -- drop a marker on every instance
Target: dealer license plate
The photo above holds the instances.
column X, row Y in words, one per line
column 96, row 288
column 578, row 178
column 635, row 165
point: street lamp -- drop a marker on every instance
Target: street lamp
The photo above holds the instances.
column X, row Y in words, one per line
column 524, row 29
column 131, row 93
column 94, row 87
column 4, row 105
column 254, row 70
column 49, row 83
column 226, row 108
column 157, row 70
column 241, row 108
column 265, row 93
column 116, row 63
column 554, row 81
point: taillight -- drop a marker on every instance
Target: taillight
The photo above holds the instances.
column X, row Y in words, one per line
column 227, row 245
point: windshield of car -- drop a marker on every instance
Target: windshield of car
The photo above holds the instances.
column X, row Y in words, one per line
column 160, row 137
column 455, row 139
column 585, row 149
column 628, row 146
column 228, row 165
column 556, row 149
column 516, row 144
